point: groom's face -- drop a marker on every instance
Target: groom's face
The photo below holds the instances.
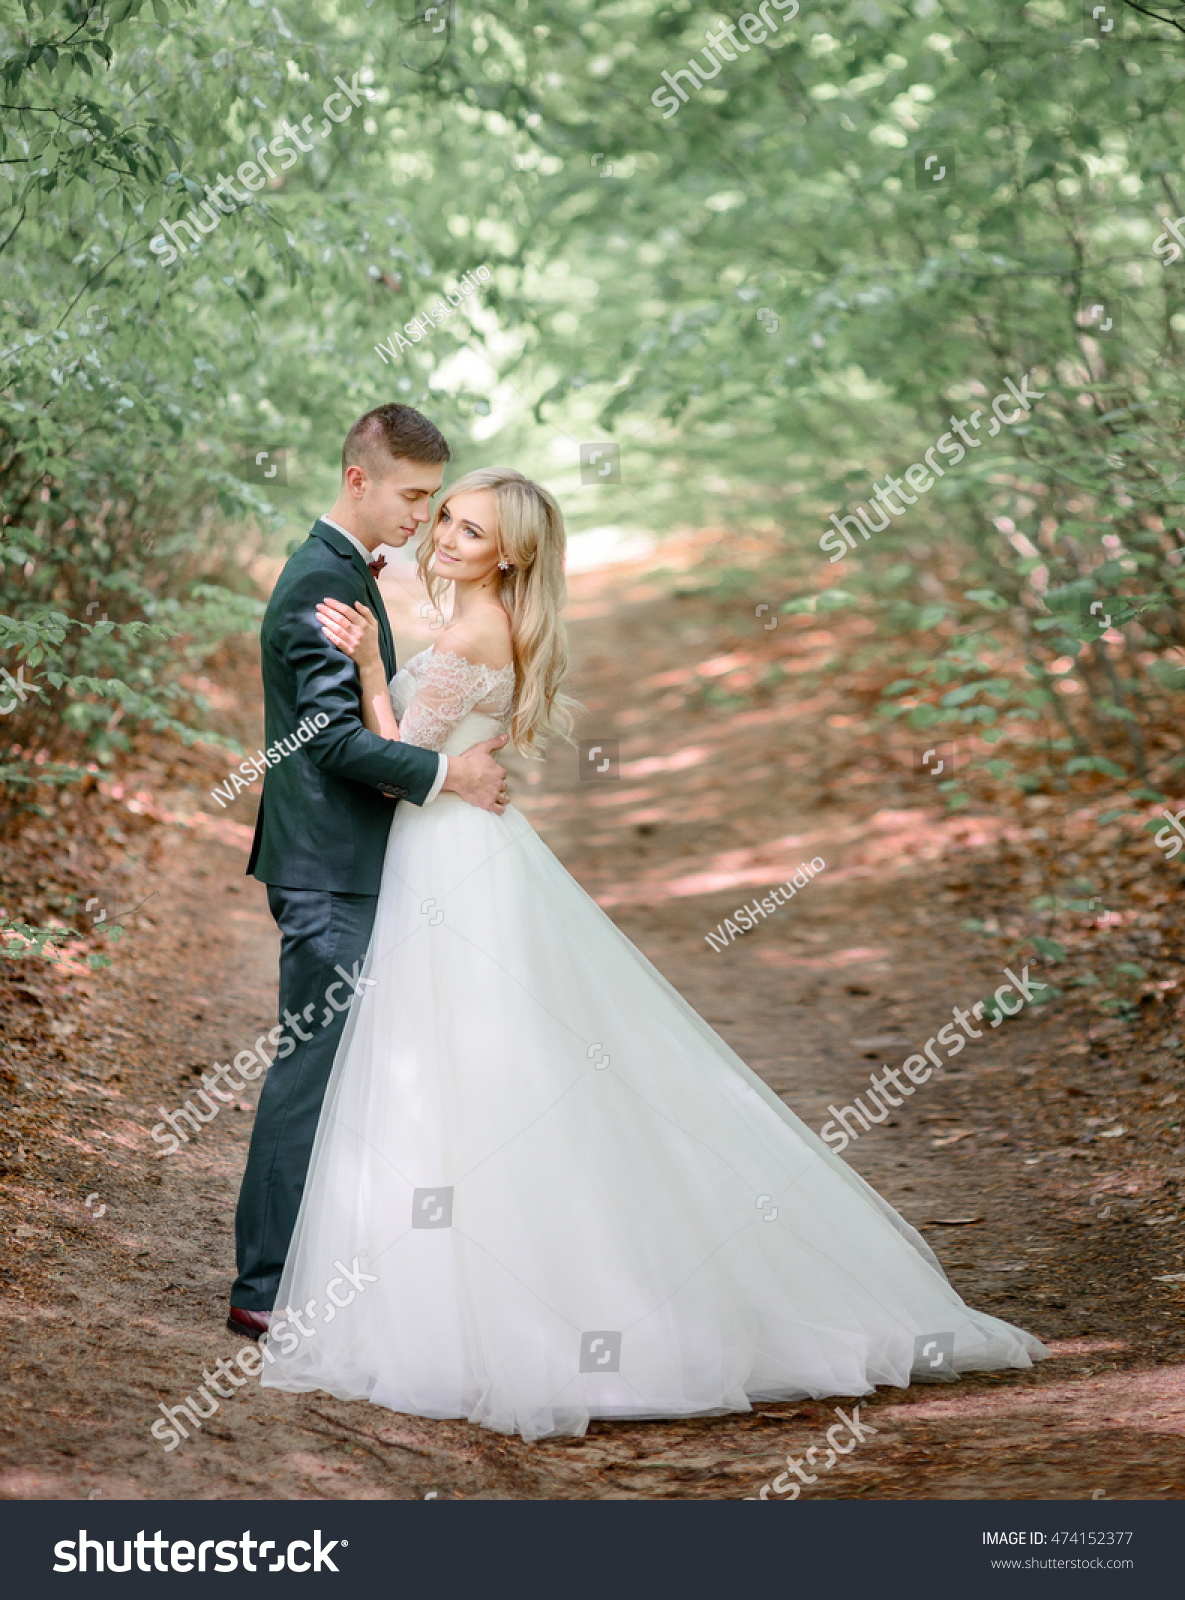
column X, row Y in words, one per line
column 398, row 499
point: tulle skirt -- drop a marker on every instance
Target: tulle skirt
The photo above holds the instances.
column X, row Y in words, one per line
column 544, row 1190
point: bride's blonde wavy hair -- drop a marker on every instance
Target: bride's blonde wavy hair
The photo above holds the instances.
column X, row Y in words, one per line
column 531, row 537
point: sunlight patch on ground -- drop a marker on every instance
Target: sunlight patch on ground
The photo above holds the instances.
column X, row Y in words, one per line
column 1152, row 1401
column 36, row 1486
column 837, row 958
column 1084, row 1347
column 893, row 842
column 691, row 757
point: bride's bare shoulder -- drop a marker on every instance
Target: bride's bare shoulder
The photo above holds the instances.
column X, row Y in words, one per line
column 483, row 639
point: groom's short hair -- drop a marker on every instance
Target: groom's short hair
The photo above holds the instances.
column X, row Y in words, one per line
column 393, row 433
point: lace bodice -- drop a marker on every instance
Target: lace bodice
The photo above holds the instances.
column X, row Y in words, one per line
column 437, row 691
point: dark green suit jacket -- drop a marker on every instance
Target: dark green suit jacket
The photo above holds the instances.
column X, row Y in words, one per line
column 327, row 808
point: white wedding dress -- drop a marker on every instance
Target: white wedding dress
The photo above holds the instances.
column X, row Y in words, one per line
column 558, row 1194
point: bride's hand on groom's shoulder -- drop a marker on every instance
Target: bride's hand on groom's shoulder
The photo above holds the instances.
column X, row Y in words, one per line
column 353, row 630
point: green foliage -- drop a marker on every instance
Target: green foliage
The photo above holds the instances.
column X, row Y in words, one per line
column 785, row 189
column 114, row 500
column 762, row 301
column 21, row 941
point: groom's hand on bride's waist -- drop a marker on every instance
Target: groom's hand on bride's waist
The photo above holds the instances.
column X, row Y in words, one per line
column 478, row 778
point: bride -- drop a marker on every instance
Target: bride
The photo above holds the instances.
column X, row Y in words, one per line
column 542, row 1189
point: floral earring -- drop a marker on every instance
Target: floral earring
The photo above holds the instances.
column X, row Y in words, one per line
column 504, row 565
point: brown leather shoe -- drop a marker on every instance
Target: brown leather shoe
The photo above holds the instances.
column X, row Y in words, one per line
column 254, row 1324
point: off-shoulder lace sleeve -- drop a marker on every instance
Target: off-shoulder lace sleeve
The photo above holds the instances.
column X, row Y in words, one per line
column 447, row 688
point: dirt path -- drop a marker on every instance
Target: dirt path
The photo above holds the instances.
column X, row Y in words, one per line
column 742, row 754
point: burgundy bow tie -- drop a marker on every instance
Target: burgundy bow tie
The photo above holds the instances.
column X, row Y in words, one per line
column 377, row 565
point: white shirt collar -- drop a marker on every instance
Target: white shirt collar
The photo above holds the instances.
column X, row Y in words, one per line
column 367, row 555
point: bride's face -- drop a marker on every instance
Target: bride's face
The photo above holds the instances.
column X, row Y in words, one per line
column 466, row 537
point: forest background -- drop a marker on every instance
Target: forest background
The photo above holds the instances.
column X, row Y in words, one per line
column 739, row 314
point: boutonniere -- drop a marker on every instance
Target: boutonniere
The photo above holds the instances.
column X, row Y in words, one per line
column 377, row 565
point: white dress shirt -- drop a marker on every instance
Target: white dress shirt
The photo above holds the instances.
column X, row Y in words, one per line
column 368, row 556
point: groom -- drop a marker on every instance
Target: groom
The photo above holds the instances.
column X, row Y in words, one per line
column 326, row 812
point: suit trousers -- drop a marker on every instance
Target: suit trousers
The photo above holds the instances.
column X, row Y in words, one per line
column 321, row 931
